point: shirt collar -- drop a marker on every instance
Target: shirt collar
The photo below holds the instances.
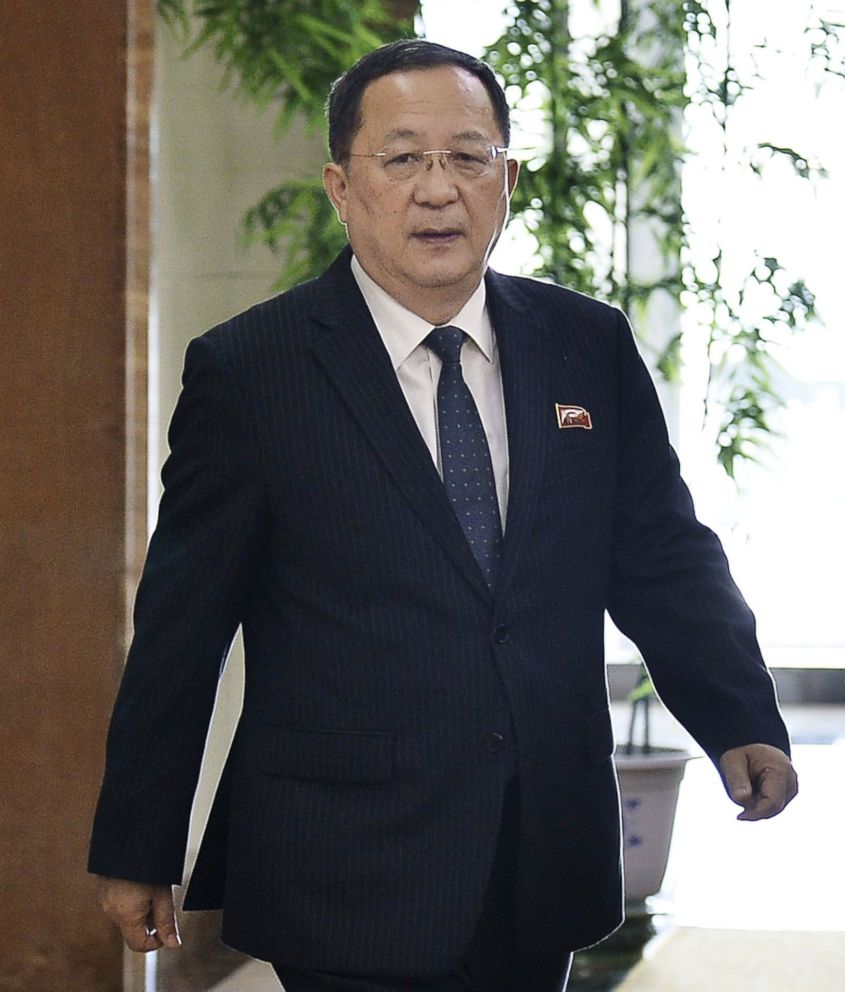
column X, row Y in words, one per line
column 403, row 331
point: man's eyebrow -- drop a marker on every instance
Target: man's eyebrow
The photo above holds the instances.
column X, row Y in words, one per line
column 470, row 136
column 400, row 132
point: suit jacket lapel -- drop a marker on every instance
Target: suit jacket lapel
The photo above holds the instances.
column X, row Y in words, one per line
column 353, row 355
column 522, row 342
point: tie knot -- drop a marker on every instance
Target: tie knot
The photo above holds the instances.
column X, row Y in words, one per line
column 446, row 343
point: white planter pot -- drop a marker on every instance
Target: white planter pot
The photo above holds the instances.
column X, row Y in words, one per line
column 649, row 785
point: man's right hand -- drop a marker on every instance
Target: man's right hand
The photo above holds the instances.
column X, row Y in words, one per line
column 143, row 912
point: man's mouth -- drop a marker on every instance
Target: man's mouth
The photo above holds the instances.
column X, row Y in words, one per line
column 434, row 236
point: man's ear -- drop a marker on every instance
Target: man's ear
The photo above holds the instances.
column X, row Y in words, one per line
column 513, row 172
column 336, row 185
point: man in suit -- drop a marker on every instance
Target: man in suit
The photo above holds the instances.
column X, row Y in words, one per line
column 417, row 485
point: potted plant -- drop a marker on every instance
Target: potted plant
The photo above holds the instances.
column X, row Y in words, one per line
column 649, row 782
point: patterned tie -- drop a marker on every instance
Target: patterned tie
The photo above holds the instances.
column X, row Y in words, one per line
column 467, row 468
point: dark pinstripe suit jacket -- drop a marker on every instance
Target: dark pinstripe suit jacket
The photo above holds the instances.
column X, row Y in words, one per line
column 388, row 694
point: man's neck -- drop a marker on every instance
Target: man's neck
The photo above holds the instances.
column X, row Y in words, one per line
column 436, row 306
column 437, row 311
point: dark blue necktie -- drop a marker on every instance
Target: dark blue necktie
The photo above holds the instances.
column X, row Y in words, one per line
column 465, row 455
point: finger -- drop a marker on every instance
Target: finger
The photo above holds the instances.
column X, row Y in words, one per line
column 774, row 789
column 129, row 906
column 792, row 787
column 151, row 940
column 129, row 916
column 164, row 918
column 137, row 928
column 737, row 778
column 763, row 808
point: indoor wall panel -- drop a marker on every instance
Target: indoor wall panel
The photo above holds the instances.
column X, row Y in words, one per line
column 66, row 511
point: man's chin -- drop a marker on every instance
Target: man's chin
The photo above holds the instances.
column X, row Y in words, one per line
column 440, row 273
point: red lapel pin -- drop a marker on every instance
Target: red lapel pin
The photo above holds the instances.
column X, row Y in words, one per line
column 573, row 416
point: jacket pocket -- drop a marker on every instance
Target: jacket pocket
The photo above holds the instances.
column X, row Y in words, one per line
column 355, row 757
column 600, row 743
column 564, row 460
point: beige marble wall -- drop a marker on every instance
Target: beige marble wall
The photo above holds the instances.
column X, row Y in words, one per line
column 213, row 157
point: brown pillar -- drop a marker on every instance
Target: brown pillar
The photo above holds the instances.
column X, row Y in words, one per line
column 71, row 470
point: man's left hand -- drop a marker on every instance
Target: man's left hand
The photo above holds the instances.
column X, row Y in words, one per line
column 760, row 778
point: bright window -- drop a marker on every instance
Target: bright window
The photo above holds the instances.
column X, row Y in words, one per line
column 784, row 527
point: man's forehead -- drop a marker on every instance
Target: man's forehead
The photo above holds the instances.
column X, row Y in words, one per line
column 403, row 101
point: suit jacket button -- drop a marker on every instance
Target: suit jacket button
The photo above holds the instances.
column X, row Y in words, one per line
column 500, row 634
column 495, row 743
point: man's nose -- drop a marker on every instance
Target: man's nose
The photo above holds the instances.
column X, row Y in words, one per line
column 436, row 184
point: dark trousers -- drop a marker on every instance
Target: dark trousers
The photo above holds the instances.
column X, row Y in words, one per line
column 490, row 964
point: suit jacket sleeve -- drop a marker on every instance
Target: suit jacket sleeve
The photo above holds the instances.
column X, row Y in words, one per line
column 188, row 607
column 671, row 590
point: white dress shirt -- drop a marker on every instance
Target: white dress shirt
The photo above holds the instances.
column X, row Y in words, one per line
column 418, row 369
